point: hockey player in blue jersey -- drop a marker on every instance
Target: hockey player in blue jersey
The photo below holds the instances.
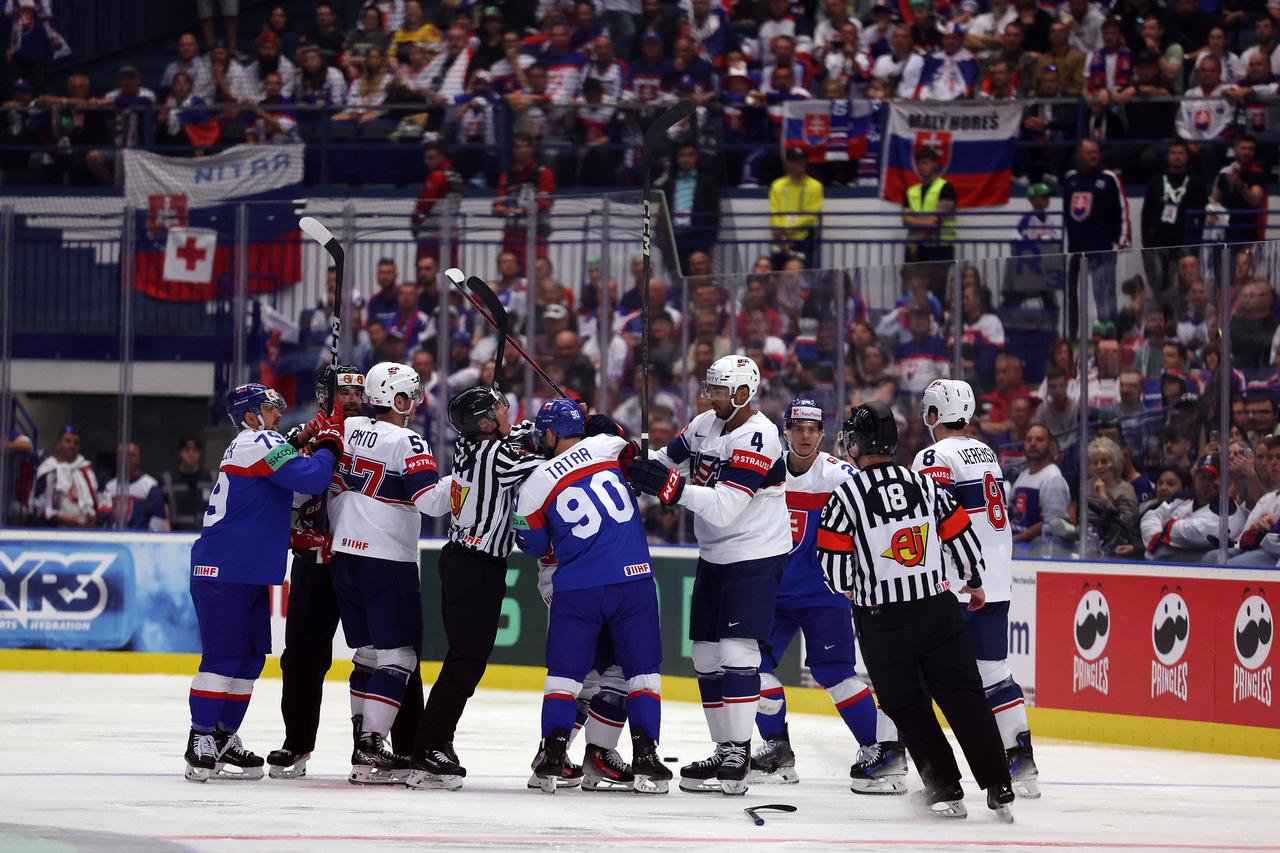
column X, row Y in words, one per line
column 806, row 604
column 579, row 506
column 241, row 552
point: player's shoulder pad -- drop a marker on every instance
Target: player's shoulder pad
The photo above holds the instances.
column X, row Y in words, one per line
column 835, row 471
column 604, row 445
column 257, row 454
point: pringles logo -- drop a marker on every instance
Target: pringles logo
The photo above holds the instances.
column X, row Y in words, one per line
column 1092, row 626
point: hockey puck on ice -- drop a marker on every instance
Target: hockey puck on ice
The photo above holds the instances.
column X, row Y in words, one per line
column 671, row 759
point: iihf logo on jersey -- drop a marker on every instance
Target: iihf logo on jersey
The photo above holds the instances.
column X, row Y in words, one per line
column 1170, row 628
column 1252, row 676
column 1092, row 628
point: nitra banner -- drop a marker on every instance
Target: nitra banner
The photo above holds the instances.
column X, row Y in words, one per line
column 974, row 144
column 828, row 131
column 199, row 193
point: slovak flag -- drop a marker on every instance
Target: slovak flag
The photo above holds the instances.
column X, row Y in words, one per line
column 828, row 131
column 189, row 253
column 974, row 143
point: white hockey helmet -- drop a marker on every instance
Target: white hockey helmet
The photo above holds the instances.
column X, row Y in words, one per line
column 953, row 399
column 732, row 372
column 386, row 379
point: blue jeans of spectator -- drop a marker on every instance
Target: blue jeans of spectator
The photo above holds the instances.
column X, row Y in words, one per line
column 1255, row 558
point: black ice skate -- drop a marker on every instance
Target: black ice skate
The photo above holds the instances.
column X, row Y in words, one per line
column 234, row 761
column 943, row 802
column 774, row 762
column 651, row 775
column 700, row 776
column 604, row 770
column 999, row 797
column 1022, row 767
column 286, row 764
column 881, row 768
column 357, row 723
column 436, row 770
column 733, row 769
column 201, row 756
column 372, row 763
column 550, row 769
column 570, row 777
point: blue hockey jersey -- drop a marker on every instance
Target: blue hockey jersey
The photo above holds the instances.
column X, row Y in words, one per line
column 579, row 506
column 802, row 582
column 245, row 538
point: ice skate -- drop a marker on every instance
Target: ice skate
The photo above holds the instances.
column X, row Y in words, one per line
column 551, row 768
column 286, row 764
column 436, row 770
column 774, row 762
column 881, row 768
column 571, row 775
column 233, row 760
column 651, row 775
column 700, row 776
column 999, row 797
column 201, row 757
column 604, row 770
column 1022, row 767
column 357, row 723
column 945, row 802
column 732, row 772
column 373, row 764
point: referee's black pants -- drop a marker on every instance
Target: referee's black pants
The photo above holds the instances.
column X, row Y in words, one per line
column 472, row 586
column 310, row 623
column 918, row 651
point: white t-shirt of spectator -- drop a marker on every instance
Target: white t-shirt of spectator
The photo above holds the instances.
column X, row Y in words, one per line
column 987, row 330
column 825, row 31
column 376, row 97
column 841, row 66
column 502, row 76
column 447, row 76
column 1103, row 392
column 418, row 82
column 906, row 71
column 1233, row 67
column 612, row 79
column 1249, row 52
column 198, row 69
column 1086, row 32
column 1204, row 115
column 989, row 25
column 769, row 30
column 247, row 85
column 869, row 35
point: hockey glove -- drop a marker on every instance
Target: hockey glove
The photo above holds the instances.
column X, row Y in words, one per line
column 524, row 436
column 308, row 540
column 603, row 425
column 626, row 457
column 329, row 434
column 651, row 477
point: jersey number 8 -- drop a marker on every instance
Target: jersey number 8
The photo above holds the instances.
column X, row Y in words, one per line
column 582, row 509
column 995, row 501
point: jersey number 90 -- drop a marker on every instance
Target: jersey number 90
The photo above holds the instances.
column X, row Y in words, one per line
column 585, row 508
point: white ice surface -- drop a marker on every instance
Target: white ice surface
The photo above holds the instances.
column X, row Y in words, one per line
column 104, row 753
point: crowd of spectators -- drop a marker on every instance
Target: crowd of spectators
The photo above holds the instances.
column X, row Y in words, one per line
column 582, row 78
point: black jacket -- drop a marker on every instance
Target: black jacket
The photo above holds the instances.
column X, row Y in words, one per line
column 1158, row 233
column 705, row 216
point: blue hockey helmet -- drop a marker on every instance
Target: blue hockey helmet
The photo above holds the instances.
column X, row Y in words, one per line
column 563, row 417
column 251, row 398
column 802, row 409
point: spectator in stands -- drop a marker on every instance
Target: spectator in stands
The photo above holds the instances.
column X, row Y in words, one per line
column 224, row 71
column 368, row 35
column 1266, row 43
column 447, row 73
column 442, row 180
column 1257, row 96
column 187, row 486
column 1112, row 503
column 795, row 205
column 412, row 84
column 248, row 81
column 65, row 493
column 1253, row 325
column 275, row 120
column 25, row 130
column 1038, row 231
column 563, row 65
column 1059, row 412
column 195, row 65
column 607, row 69
column 1149, row 111
column 1010, row 443
column 924, row 29
column 845, row 63
column 318, row 84
column 412, row 325
column 1097, row 219
column 923, row 357
column 595, row 129
column 490, row 46
column 1184, row 530
column 325, row 36
column 185, row 119
column 985, row 31
column 526, row 186
column 693, row 200
column 414, row 29
column 1171, row 482
column 1165, row 221
column 1192, row 28
column 31, row 41
column 368, row 90
column 1086, row 20
column 144, row 505
column 1241, row 188
column 1039, row 498
column 1009, row 387
column 129, row 99
column 1168, row 53
column 384, row 301
column 1110, row 68
column 902, row 66
column 1046, row 123
column 1205, row 118
column 579, row 371
column 1067, row 59
column 1234, row 68
column 928, row 215
column 230, row 14
column 1260, row 411
column 981, row 336
column 1257, row 545
column 950, row 73
column 1021, row 62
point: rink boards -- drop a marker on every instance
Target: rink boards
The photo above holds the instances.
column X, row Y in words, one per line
column 1141, row 654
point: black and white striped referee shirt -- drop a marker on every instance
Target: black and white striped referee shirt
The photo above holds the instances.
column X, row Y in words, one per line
column 487, row 474
column 883, row 535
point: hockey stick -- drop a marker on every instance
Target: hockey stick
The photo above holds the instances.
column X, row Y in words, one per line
column 494, row 312
column 316, row 231
column 777, row 807
column 656, row 133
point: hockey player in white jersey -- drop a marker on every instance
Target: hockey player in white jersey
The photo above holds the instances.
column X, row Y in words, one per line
column 730, row 474
column 970, row 471
column 386, row 477
column 805, row 604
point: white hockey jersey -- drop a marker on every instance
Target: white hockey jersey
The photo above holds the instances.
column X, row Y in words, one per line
column 1182, row 524
column 385, row 479
column 970, row 470
column 802, row 584
column 736, row 488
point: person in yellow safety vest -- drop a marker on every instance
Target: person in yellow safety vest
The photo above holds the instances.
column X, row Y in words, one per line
column 795, row 202
column 928, row 214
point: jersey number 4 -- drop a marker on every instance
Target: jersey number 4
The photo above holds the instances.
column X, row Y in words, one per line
column 582, row 507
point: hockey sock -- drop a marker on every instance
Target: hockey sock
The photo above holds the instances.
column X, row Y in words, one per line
column 559, row 704
column 856, row 707
column 706, row 665
column 1009, row 705
column 364, row 662
column 741, row 684
column 644, row 704
column 386, row 689
column 209, row 691
column 771, row 715
column 606, row 717
column 239, row 691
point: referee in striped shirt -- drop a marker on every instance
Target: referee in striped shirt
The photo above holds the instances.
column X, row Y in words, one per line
column 882, row 542
column 488, row 469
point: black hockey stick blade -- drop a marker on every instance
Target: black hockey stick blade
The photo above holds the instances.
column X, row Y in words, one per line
column 777, row 807
column 498, row 312
column 674, row 113
column 315, row 229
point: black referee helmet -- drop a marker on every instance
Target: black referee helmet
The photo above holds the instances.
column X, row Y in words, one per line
column 871, row 429
column 471, row 406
